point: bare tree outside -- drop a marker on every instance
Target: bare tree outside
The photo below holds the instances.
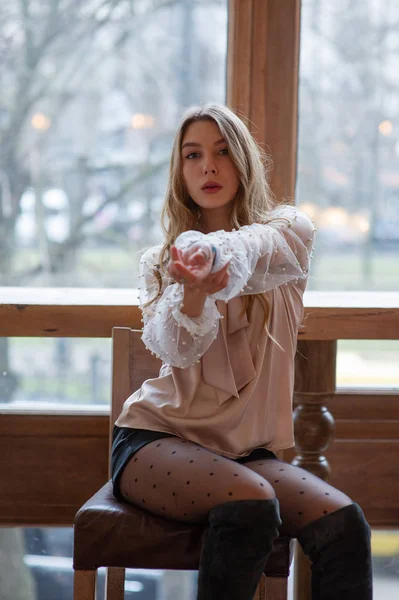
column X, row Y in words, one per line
column 91, row 95
column 348, row 151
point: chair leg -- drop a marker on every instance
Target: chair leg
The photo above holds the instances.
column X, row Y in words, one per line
column 260, row 590
column 84, row 585
column 276, row 588
column 115, row 583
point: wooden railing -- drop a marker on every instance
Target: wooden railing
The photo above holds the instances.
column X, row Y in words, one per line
column 66, row 312
column 88, row 312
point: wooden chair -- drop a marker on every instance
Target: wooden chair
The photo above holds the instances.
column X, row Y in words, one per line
column 117, row 535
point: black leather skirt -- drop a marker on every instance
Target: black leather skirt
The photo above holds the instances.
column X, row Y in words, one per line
column 126, row 441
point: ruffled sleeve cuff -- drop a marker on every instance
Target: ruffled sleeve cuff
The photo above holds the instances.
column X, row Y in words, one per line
column 206, row 323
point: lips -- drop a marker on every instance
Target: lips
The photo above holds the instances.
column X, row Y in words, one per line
column 211, row 186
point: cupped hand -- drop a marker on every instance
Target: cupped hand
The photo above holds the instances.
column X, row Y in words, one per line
column 193, row 268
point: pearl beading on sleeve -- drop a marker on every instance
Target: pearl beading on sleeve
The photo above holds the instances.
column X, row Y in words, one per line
column 195, row 325
column 262, row 256
column 172, row 336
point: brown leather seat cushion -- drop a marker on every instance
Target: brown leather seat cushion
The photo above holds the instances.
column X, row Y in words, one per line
column 109, row 533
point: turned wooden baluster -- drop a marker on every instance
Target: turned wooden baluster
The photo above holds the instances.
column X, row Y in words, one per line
column 315, row 368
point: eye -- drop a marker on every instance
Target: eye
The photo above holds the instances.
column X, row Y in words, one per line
column 224, row 151
column 192, row 155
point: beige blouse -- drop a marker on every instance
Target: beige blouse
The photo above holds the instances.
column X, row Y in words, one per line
column 224, row 383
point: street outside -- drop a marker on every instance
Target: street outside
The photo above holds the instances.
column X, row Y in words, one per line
column 386, row 587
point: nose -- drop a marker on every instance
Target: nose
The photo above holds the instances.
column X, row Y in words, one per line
column 209, row 169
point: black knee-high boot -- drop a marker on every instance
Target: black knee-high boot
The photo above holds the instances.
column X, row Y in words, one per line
column 339, row 547
column 235, row 548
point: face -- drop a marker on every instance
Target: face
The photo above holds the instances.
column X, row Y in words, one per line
column 209, row 173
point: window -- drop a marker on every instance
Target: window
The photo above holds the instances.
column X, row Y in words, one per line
column 368, row 364
column 92, row 93
column 55, row 374
column 348, row 155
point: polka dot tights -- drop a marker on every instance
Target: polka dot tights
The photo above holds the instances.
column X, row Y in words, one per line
column 180, row 480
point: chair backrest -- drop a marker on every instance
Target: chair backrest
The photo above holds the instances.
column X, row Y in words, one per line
column 132, row 364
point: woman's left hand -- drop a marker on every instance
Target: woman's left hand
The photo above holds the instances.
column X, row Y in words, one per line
column 193, row 265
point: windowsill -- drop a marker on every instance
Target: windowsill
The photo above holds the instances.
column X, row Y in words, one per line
column 45, row 408
column 25, row 296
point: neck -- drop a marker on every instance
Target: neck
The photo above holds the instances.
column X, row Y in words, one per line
column 213, row 222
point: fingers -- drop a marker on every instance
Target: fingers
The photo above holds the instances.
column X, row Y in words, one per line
column 176, row 267
column 179, row 272
column 197, row 275
column 175, row 253
column 198, row 258
column 214, row 282
column 182, row 274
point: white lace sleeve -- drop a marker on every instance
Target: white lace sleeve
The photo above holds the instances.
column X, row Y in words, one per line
column 176, row 338
column 262, row 256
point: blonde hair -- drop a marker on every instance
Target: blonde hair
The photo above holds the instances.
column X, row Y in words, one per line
column 252, row 203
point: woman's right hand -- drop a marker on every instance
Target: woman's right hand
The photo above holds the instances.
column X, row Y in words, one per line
column 193, row 269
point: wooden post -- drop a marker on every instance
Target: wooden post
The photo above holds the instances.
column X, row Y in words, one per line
column 262, row 80
column 315, row 370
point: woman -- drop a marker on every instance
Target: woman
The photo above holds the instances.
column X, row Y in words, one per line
column 222, row 305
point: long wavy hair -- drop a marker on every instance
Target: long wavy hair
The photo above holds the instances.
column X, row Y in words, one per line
column 252, row 203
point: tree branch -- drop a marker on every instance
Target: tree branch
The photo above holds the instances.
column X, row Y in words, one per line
column 78, row 237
